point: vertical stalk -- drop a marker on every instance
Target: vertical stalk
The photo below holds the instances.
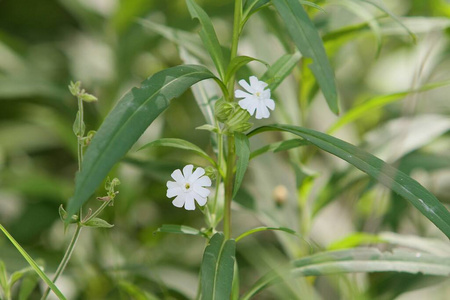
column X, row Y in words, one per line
column 229, row 188
column 69, row 251
column 231, row 155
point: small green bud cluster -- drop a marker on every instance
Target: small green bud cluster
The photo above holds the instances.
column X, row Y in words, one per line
column 233, row 116
column 75, row 89
column 110, row 185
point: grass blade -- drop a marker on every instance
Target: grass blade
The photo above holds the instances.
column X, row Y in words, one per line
column 392, row 178
column 308, row 41
column 379, row 102
column 33, row 264
column 360, row 260
column 126, row 123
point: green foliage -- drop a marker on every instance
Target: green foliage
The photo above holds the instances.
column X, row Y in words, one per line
column 392, row 178
column 125, row 124
column 308, row 41
column 217, row 268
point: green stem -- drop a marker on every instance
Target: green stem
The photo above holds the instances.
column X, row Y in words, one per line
column 80, row 135
column 71, row 247
column 234, row 43
column 229, row 187
column 65, row 259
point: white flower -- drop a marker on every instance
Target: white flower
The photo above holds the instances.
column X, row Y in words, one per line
column 188, row 186
column 257, row 98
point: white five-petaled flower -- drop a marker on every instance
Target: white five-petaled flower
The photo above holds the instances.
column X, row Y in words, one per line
column 188, row 187
column 257, row 98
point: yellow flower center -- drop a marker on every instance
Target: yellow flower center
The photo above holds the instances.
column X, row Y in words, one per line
column 187, row 186
column 258, row 94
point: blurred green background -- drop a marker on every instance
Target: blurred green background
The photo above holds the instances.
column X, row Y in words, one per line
column 46, row 44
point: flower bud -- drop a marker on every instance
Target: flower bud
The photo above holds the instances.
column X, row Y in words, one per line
column 210, row 172
column 74, row 88
column 238, row 121
column 88, row 97
column 223, row 110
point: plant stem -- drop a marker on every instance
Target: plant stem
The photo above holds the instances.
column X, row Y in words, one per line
column 80, row 135
column 234, row 43
column 231, row 155
column 76, row 235
column 65, row 259
column 229, row 187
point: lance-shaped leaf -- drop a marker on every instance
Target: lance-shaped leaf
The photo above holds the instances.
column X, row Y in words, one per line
column 392, row 178
column 126, row 123
column 360, row 260
column 280, row 70
column 217, row 268
column 308, row 41
column 180, row 229
column 243, row 153
column 180, row 144
column 208, row 36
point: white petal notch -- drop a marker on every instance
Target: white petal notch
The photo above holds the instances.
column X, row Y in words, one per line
column 189, row 187
column 256, row 98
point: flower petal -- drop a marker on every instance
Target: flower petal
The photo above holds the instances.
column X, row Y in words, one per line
column 249, row 105
column 201, row 190
column 241, row 94
column 179, row 201
column 172, row 192
column 189, row 203
column 172, row 184
column 269, row 103
column 178, row 176
column 246, row 86
column 196, row 175
column 203, row 181
column 254, row 83
column 187, row 171
column 262, row 111
column 200, row 200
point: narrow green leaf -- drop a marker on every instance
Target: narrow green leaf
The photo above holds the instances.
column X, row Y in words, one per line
column 280, row 70
column 383, row 8
column 279, row 146
column 126, row 122
column 29, row 283
column 392, row 178
column 308, row 41
column 4, row 278
column 16, row 276
column 258, row 229
column 243, row 153
column 188, row 40
column 208, row 36
column 377, row 103
column 237, row 63
column 360, row 260
column 97, row 223
column 217, row 268
column 179, row 229
column 180, row 144
column 33, row 264
column 355, row 239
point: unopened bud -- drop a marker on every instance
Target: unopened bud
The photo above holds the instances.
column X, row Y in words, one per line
column 238, row 121
column 223, row 110
column 210, row 172
column 74, row 88
column 88, row 97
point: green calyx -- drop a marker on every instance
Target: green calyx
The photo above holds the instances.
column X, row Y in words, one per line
column 233, row 116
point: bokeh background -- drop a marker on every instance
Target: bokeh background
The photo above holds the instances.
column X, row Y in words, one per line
column 46, row 44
